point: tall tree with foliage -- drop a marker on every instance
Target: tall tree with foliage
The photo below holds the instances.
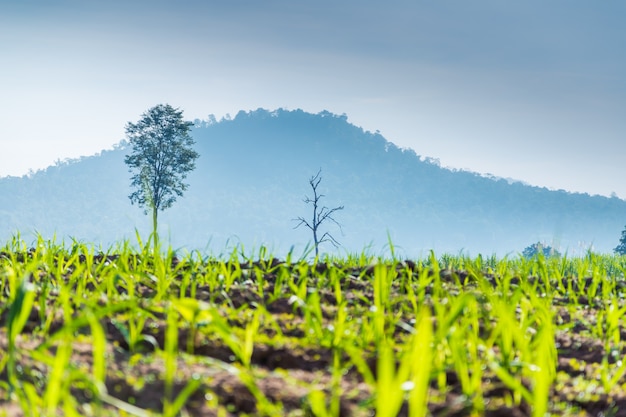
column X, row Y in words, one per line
column 161, row 156
column 321, row 214
column 621, row 248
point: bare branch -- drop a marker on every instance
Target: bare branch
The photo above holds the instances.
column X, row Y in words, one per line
column 320, row 215
column 326, row 214
column 327, row 237
column 302, row 221
column 316, row 179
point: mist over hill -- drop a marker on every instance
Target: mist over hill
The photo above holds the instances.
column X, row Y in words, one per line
column 252, row 176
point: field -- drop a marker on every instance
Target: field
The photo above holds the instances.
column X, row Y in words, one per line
column 126, row 332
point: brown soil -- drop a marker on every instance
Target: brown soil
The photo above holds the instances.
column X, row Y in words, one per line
column 285, row 373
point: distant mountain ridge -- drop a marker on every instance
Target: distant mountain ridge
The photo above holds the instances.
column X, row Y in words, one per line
column 253, row 173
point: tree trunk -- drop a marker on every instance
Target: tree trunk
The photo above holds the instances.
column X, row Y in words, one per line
column 155, row 235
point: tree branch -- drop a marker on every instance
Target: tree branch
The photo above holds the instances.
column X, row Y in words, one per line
column 301, row 221
column 320, row 215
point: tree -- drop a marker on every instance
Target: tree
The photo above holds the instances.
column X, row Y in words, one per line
column 621, row 248
column 161, row 156
column 536, row 248
column 320, row 215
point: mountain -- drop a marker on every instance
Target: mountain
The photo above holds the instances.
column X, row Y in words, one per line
column 252, row 176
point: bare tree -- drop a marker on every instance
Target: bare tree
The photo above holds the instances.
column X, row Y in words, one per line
column 320, row 215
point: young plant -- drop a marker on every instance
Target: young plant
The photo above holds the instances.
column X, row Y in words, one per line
column 19, row 310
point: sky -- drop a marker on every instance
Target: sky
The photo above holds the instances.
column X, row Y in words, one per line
column 534, row 90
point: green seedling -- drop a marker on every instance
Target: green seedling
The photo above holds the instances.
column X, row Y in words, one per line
column 403, row 328
column 19, row 310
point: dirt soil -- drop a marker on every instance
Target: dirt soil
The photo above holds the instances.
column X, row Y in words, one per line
column 286, row 373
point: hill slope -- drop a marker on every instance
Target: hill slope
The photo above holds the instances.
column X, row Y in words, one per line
column 253, row 174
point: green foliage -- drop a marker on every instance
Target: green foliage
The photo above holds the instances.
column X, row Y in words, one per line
column 358, row 335
column 161, row 156
column 539, row 248
column 621, row 248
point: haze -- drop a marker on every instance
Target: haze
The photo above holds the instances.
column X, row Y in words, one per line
column 529, row 90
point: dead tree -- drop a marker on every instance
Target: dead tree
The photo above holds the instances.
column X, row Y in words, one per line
column 320, row 215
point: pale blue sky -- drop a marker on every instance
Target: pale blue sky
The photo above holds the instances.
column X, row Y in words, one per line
column 530, row 90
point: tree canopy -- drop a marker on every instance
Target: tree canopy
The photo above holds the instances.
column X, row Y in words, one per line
column 536, row 248
column 621, row 248
column 161, row 156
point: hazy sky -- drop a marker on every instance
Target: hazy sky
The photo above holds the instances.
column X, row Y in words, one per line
column 532, row 90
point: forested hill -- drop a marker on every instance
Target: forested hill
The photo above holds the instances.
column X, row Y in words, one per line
column 252, row 176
